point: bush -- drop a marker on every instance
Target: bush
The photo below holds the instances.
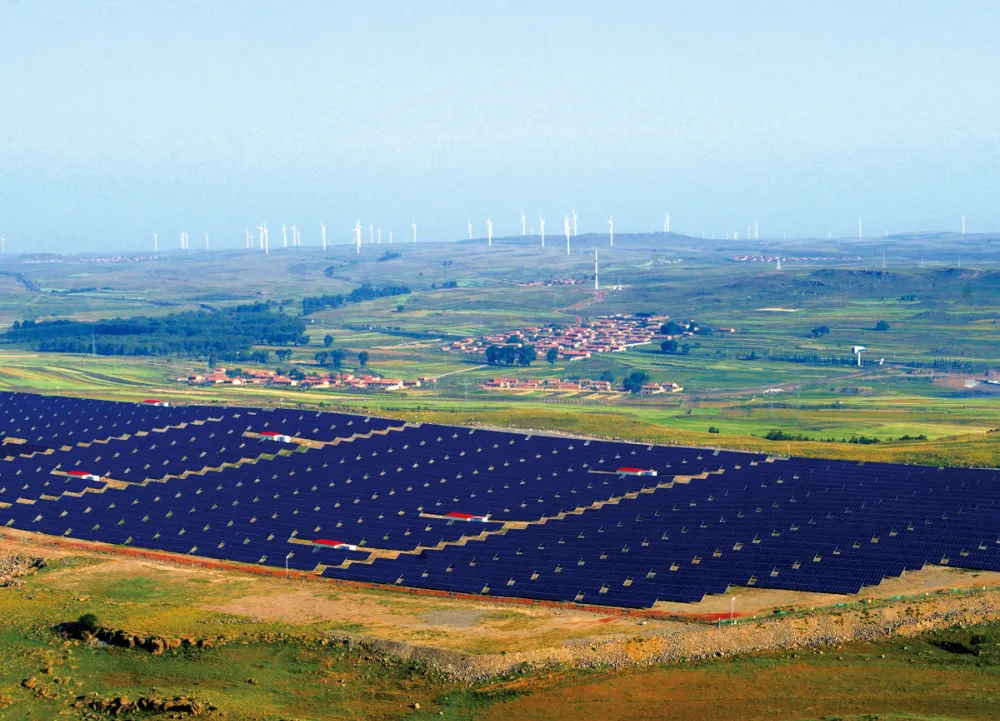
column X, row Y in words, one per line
column 88, row 622
column 713, row 429
column 882, row 325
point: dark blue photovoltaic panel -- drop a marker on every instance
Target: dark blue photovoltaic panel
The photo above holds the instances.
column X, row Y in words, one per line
column 200, row 480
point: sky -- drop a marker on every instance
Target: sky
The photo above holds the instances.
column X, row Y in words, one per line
column 118, row 119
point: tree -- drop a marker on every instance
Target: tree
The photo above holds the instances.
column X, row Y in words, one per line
column 493, row 355
column 552, row 355
column 670, row 328
column 363, row 358
column 635, row 380
column 669, row 346
column 337, row 357
column 303, row 340
column 296, row 374
column 608, row 376
column 327, row 340
column 713, row 429
column 525, row 355
column 212, row 360
column 261, row 356
column 820, row 331
column 283, row 354
column 321, row 358
column 513, row 339
column 685, row 349
column 882, row 325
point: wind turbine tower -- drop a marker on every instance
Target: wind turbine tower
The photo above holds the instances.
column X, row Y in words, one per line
column 541, row 227
column 963, row 225
column 522, row 221
column 859, row 229
column 778, row 266
column 156, row 245
column 414, row 231
column 756, row 233
column 574, row 223
column 566, row 230
column 666, row 223
column 597, row 286
column 378, row 234
column 489, row 232
column 470, row 230
column 371, row 234
column 206, row 242
column 284, row 236
column 357, row 234
column 323, row 233
column 611, row 231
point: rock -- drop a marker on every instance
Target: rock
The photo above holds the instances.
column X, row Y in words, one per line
column 415, row 705
column 30, row 682
column 156, row 646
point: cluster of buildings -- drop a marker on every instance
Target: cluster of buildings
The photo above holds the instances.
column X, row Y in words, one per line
column 802, row 258
column 583, row 384
column 606, row 334
column 556, row 281
column 270, row 379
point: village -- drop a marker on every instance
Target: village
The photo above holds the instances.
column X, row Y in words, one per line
column 302, row 380
column 551, row 385
column 606, row 334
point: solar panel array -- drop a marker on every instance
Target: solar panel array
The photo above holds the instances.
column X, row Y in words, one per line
column 479, row 511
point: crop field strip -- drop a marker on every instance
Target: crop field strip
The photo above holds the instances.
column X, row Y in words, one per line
column 477, row 511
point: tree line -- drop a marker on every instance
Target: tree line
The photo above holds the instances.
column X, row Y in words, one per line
column 366, row 291
column 228, row 333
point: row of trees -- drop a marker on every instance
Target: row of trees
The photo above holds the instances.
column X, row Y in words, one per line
column 364, row 292
column 510, row 355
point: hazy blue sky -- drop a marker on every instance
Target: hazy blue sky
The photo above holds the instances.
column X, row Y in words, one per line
column 120, row 118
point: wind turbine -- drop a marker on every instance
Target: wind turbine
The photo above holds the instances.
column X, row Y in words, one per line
column 666, row 223
column 371, row 234
column 963, row 225
column 260, row 233
column 267, row 244
column 566, row 230
column 522, row 221
column 756, row 231
column 414, row 231
column 611, row 231
column 357, row 233
column 378, row 232
column 3, row 244
column 489, row 231
column 390, row 237
column 859, row 228
column 541, row 227
column 574, row 223
column 284, row 236
column 156, row 245
column 323, row 231
column 470, row 230
column 247, row 238
column 206, row 241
